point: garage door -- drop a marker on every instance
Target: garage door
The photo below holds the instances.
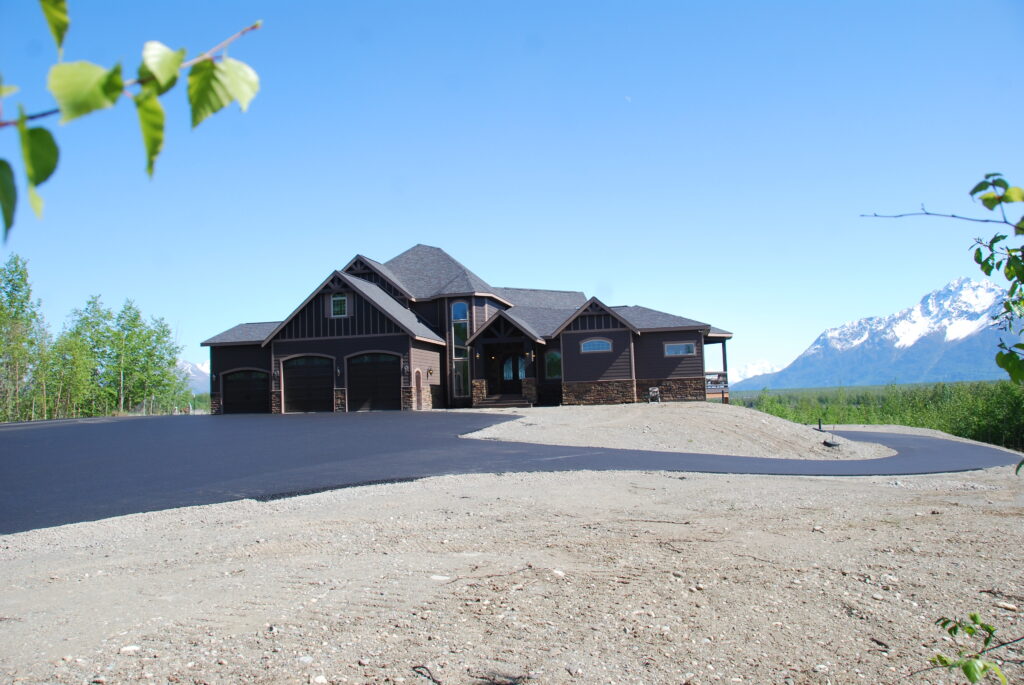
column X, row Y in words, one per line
column 308, row 384
column 374, row 382
column 246, row 392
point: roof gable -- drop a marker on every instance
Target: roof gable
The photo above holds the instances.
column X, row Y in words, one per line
column 513, row 321
column 594, row 306
column 366, row 268
column 399, row 315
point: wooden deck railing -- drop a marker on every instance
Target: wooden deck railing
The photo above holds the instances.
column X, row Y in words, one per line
column 717, row 385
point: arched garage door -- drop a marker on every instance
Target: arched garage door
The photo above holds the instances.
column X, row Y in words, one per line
column 246, row 392
column 308, row 384
column 374, row 382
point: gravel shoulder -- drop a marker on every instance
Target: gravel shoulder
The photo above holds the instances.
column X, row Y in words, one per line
column 581, row 577
column 693, row 427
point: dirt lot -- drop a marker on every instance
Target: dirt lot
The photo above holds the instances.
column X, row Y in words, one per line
column 621, row 577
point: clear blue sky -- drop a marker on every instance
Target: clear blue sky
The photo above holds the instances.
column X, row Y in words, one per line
column 706, row 159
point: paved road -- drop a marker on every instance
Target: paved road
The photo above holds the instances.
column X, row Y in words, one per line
column 59, row 472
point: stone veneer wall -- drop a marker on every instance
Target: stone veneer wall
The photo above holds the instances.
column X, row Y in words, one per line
column 339, row 399
column 598, row 392
column 408, row 399
column 426, row 397
column 530, row 390
column 275, row 401
column 479, row 390
column 674, row 389
column 215, row 405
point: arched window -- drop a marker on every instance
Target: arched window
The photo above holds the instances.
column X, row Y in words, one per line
column 553, row 364
column 596, row 345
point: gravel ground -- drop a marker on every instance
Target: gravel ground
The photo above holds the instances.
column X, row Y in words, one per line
column 694, row 427
column 586, row 577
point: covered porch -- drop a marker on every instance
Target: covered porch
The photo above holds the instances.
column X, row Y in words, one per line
column 504, row 368
column 716, row 382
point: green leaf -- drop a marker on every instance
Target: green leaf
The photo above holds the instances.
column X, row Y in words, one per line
column 56, row 13
column 83, row 87
column 1013, row 194
column 35, row 201
column 162, row 63
column 984, row 185
column 207, row 93
column 39, row 150
column 1001, row 183
column 7, row 90
column 9, row 196
column 151, row 122
column 973, row 669
column 990, row 200
column 242, row 82
column 995, row 175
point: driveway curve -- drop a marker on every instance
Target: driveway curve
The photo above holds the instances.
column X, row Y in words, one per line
column 58, row 472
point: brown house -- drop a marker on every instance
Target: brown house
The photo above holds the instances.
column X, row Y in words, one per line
column 423, row 331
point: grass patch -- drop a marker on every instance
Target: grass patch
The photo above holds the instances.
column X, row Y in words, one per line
column 991, row 412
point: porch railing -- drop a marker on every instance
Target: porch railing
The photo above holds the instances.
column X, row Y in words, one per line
column 717, row 385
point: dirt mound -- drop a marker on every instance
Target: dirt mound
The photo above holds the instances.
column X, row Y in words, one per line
column 694, row 427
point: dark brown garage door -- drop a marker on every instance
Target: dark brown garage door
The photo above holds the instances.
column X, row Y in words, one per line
column 308, row 384
column 374, row 382
column 246, row 392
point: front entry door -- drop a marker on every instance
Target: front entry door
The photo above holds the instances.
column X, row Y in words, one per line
column 513, row 368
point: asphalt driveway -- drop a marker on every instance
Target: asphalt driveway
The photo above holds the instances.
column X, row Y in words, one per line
column 58, row 472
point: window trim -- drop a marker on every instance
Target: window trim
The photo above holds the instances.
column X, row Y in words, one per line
column 330, row 306
column 611, row 346
column 692, row 344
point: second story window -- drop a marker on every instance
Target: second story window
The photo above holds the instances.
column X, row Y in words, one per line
column 596, row 345
column 339, row 305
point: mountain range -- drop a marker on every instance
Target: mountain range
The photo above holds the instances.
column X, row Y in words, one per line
column 947, row 336
column 198, row 375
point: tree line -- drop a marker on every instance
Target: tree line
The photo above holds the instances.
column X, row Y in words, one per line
column 101, row 363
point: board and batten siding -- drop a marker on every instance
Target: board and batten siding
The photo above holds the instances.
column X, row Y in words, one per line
column 313, row 320
column 651, row 362
column 594, row 322
column 596, row 366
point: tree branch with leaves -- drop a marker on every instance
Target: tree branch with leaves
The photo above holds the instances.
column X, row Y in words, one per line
column 79, row 88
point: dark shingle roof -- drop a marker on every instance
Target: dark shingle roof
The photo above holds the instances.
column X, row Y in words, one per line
column 402, row 316
column 646, row 319
column 543, row 320
column 553, row 299
column 426, row 272
column 243, row 334
column 386, row 272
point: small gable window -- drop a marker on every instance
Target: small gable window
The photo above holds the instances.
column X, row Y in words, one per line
column 339, row 305
column 596, row 345
column 676, row 349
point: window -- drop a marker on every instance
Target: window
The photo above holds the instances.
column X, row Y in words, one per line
column 596, row 345
column 553, row 364
column 460, row 353
column 676, row 349
column 339, row 305
column 460, row 323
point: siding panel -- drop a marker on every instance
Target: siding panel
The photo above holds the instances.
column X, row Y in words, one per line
column 596, row 366
column 651, row 361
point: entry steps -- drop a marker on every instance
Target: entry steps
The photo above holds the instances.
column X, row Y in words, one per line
column 502, row 401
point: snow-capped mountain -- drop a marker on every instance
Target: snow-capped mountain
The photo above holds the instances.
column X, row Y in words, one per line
column 198, row 375
column 947, row 336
